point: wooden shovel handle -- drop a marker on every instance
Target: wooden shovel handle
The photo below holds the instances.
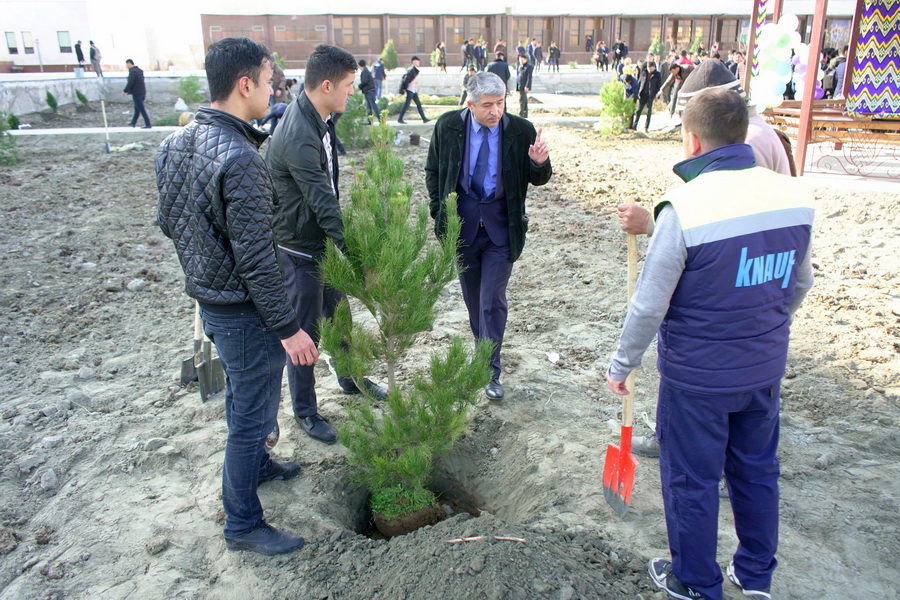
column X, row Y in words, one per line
column 198, row 324
column 628, row 400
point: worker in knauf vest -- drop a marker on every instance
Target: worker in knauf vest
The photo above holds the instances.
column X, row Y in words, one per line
column 728, row 264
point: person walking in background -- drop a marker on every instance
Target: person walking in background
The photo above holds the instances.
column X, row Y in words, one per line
column 302, row 159
column 710, row 269
column 441, row 57
column 379, row 75
column 603, row 54
column 620, row 51
column 216, row 205
column 531, row 46
column 479, row 54
column 588, row 43
column 279, row 85
column 135, row 86
column 468, row 52
column 649, row 83
column 465, row 83
column 538, row 57
column 523, row 84
column 79, row 54
column 553, row 56
column 520, row 50
column 367, row 89
column 275, row 113
column 408, row 86
column 96, row 57
column 677, row 76
column 500, row 46
column 488, row 157
column 500, row 68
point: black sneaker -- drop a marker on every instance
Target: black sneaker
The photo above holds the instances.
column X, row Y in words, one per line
column 265, row 539
column 755, row 594
column 349, row 387
column 279, row 470
column 318, row 428
column 662, row 575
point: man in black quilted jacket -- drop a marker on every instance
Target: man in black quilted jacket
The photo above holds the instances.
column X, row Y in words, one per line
column 215, row 203
column 303, row 160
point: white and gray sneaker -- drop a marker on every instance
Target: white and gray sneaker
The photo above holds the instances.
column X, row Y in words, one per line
column 662, row 575
column 755, row 594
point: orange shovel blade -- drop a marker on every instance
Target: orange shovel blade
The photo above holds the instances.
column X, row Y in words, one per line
column 618, row 478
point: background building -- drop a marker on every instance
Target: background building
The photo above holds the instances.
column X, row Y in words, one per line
column 172, row 34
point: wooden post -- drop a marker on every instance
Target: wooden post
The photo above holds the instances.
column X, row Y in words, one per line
column 776, row 11
column 809, row 91
column 851, row 52
column 751, row 46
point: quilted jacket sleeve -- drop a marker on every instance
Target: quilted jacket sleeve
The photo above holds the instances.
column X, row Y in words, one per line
column 247, row 190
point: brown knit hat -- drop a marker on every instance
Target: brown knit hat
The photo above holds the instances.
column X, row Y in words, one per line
column 710, row 74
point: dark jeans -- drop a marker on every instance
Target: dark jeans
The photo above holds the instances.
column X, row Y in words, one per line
column 253, row 359
column 554, row 63
column 412, row 97
column 483, row 281
column 523, row 103
column 644, row 102
column 312, row 300
column 139, row 110
column 372, row 105
column 700, row 436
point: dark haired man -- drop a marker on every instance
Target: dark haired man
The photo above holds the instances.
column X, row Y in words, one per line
column 523, row 84
column 500, row 68
column 728, row 267
column 302, row 158
column 367, row 89
column 410, row 86
column 135, row 86
column 215, row 202
column 648, row 87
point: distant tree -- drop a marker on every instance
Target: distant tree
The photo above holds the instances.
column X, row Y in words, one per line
column 279, row 60
column 656, row 46
column 695, row 47
column 9, row 154
column 616, row 111
column 189, row 89
column 389, row 56
column 51, row 102
column 81, row 97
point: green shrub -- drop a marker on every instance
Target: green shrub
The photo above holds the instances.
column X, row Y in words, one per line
column 434, row 57
column 656, row 46
column 439, row 100
column 616, row 111
column 280, row 61
column 9, row 154
column 389, row 56
column 696, row 45
column 168, row 120
column 51, row 102
column 189, row 90
column 353, row 127
column 81, row 97
column 13, row 121
column 382, row 103
column 395, row 106
column 573, row 64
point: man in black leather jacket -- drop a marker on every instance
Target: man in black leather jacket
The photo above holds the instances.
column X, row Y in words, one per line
column 302, row 158
column 215, row 203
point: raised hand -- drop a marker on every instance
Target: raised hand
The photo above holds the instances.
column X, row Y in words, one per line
column 539, row 151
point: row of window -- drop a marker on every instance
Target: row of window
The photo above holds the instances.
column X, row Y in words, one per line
column 63, row 38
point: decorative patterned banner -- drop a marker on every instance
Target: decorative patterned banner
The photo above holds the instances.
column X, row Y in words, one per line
column 760, row 21
column 875, row 84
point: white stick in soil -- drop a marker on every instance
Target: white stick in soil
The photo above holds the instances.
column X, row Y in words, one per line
column 105, row 125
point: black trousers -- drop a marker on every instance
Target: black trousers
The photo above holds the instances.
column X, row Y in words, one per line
column 523, row 103
column 645, row 101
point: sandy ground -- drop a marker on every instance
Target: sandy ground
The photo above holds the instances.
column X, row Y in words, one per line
column 110, row 472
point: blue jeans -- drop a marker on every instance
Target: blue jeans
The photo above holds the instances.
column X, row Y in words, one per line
column 253, row 359
column 378, row 84
column 700, row 436
column 372, row 105
column 139, row 110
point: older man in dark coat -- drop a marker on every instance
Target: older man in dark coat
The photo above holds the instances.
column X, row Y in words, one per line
column 487, row 157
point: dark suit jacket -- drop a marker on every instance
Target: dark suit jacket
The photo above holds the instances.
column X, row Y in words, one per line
column 500, row 68
column 447, row 152
column 523, row 77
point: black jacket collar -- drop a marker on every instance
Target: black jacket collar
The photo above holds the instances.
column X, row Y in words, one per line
column 309, row 111
column 220, row 117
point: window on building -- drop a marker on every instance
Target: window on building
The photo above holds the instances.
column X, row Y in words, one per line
column 574, row 41
column 477, row 27
column 65, row 42
column 404, row 30
column 254, row 32
column 729, row 34
column 837, row 33
column 343, row 31
column 300, row 33
column 595, row 27
column 456, row 32
column 369, row 33
column 11, row 45
column 521, row 32
column 28, row 42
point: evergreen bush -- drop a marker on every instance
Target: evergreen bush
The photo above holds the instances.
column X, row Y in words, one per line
column 656, row 46
column 189, row 90
column 51, row 102
column 434, row 57
column 616, row 111
column 695, row 47
column 392, row 269
column 389, row 56
column 573, row 64
column 280, row 61
column 382, row 103
column 353, row 127
column 13, row 121
column 168, row 121
column 439, row 100
column 9, row 154
column 81, row 97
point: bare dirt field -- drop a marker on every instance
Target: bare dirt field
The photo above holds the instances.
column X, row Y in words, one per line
column 110, row 473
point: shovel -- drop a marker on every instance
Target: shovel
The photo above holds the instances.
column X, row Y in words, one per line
column 207, row 371
column 106, row 127
column 618, row 472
